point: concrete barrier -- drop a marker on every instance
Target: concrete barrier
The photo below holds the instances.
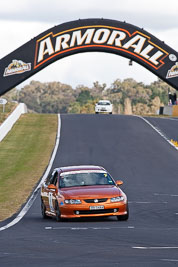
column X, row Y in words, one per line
column 167, row 110
column 7, row 125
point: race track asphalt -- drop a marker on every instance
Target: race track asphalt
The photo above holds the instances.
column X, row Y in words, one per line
column 132, row 151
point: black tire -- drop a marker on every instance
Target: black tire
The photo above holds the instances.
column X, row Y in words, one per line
column 58, row 213
column 124, row 217
column 110, row 112
column 96, row 112
column 43, row 210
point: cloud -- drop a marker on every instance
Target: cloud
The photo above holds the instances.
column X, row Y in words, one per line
column 168, row 36
column 15, row 33
column 152, row 14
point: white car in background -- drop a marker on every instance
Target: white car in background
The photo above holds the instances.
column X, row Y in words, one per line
column 103, row 106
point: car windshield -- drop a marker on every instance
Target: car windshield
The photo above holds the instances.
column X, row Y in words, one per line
column 85, row 179
column 103, row 103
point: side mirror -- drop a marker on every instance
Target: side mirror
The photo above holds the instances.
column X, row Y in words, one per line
column 119, row 182
column 52, row 187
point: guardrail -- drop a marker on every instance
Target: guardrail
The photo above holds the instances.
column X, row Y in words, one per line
column 7, row 125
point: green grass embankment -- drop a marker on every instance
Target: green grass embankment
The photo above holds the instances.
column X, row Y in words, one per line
column 24, row 155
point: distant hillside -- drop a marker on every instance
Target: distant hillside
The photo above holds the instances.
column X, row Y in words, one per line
column 127, row 96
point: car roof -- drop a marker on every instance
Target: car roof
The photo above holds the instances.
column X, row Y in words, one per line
column 80, row 168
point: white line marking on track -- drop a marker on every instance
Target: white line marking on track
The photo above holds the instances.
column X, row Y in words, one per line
column 147, row 202
column 155, row 247
column 158, row 131
column 171, row 119
column 162, row 194
column 34, row 194
column 172, row 260
column 87, row 228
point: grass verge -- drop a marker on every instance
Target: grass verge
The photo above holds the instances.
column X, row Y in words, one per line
column 24, row 155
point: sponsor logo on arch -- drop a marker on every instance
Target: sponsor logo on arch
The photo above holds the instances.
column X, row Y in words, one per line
column 173, row 72
column 136, row 44
column 17, row 67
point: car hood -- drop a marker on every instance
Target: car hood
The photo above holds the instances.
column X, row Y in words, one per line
column 91, row 191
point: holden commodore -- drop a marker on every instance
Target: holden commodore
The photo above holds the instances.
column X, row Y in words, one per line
column 103, row 106
column 82, row 191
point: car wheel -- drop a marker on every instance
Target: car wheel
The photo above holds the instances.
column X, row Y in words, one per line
column 43, row 210
column 110, row 112
column 124, row 217
column 58, row 213
column 96, row 112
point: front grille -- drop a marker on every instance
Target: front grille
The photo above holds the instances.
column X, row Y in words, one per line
column 90, row 212
column 94, row 200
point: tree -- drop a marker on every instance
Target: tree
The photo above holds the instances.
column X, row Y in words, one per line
column 83, row 97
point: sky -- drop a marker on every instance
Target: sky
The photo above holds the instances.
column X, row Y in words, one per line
column 22, row 20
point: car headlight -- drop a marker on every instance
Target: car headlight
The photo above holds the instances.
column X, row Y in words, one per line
column 72, row 201
column 117, row 199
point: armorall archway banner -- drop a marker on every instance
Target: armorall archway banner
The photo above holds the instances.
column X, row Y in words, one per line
column 89, row 35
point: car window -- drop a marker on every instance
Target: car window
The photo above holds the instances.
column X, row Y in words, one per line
column 85, row 179
column 104, row 103
column 52, row 178
column 47, row 182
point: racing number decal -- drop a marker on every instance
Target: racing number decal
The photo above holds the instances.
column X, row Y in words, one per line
column 51, row 202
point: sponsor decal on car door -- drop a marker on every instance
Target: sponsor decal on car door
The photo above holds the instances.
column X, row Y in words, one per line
column 50, row 196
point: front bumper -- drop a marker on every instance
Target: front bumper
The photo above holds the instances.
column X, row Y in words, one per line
column 83, row 210
column 103, row 110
